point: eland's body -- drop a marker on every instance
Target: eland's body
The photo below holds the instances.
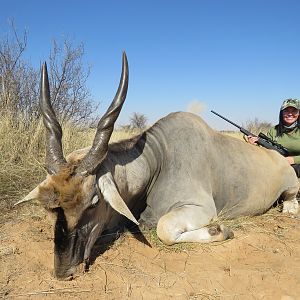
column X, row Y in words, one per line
column 178, row 176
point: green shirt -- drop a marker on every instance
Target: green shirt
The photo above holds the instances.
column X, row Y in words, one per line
column 290, row 140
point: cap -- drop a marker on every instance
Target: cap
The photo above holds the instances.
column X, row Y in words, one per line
column 290, row 102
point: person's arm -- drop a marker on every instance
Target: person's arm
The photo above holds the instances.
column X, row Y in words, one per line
column 271, row 133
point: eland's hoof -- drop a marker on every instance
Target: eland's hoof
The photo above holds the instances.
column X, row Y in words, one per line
column 290, row 207
column 228, row 233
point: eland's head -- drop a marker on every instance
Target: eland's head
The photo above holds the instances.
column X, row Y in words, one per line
column 71, row 190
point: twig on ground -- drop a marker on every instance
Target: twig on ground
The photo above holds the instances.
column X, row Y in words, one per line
column 52, row 291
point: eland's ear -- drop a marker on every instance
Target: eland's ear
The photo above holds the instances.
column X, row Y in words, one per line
column 112, row 196
column 31, row 196
column 44, row 193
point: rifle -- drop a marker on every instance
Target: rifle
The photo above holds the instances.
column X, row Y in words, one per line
column 263, row 140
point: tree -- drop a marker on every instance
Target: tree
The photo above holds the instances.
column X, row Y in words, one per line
column 19, row 81
column 138, row 120
column 256, row 126
column 19, row 85
column 69, row 93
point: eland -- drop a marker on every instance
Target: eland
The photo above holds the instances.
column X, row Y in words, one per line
column 179, row 176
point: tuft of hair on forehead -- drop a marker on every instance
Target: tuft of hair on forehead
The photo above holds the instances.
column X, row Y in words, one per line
column 63, row 189
column 76, row 156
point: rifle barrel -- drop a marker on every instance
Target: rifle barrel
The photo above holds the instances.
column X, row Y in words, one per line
column 242, row 130
column 236, row 125
column 263, row 140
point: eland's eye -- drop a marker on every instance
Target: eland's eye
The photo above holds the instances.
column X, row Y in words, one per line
column 94, row 202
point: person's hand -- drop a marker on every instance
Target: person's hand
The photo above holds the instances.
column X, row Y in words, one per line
column 290, row 160
column 252, row 139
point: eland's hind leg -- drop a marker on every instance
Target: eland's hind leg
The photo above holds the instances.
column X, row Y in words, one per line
column 189, row 223
column 290, row 202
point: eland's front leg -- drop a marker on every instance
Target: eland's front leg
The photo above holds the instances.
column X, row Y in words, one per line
column 190, row 223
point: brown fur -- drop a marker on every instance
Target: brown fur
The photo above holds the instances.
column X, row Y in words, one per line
column 63, row 189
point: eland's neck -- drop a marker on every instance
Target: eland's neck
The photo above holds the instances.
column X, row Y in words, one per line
column 134, row 164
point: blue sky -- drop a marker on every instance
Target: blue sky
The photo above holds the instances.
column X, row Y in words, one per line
column 239, row 58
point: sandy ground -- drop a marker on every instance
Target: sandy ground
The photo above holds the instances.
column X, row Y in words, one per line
column 261, row 262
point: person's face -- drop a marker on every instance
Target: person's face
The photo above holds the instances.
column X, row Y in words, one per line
column 290, row 115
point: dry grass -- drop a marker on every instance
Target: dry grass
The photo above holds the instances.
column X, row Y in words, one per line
column 20, row 160
column 22, row 154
